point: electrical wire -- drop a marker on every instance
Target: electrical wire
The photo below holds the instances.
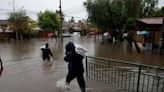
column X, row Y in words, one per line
column 67, row 13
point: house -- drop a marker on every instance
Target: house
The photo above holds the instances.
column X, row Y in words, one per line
column 66, row 26
column 150, row 31
column 3, row 25
column 45, row 34
column 5, row 32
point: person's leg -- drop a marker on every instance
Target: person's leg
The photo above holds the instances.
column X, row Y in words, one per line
column 44, row 58
column 70, row 77
column 48, row 58
column 81, row 82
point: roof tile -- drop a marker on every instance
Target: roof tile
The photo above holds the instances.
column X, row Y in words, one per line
column 154, row 20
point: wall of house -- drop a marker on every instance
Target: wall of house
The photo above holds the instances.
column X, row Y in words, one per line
column 156, row 38
column 149, row 38
column 46, row 34
column 137, row 37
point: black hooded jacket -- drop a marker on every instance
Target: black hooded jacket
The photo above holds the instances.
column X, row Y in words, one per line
column 74, row 59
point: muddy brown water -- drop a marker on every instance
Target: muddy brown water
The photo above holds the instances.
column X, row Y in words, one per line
column 24, row 70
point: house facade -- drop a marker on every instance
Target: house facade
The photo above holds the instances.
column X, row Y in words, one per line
column 5, row 32
column 150, row 30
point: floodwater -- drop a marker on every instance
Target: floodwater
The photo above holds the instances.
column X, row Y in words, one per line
column 24, row 70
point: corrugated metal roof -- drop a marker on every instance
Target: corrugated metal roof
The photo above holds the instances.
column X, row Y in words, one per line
column 154, row 20
column 4, row 22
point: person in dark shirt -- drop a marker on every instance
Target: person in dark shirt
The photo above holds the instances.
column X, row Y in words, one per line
column 46, row 52
column 75, row 66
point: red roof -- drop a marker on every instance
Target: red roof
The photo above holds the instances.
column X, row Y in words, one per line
column 154, row 20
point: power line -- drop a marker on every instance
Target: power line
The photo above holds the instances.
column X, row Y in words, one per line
column 5, row 10
column 29, row 11
column 81, row 11
column 35, row 13
column 73, row 16
column 74, row 8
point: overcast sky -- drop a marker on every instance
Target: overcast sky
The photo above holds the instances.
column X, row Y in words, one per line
column 70, row 7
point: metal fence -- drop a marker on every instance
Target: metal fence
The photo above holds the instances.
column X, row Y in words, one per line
column 129, row 76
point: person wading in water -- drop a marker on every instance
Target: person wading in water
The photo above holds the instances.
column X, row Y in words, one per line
column 75, row 66
column 46, row 53
column 1, row 69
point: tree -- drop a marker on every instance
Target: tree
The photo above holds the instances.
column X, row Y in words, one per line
column 49, row 21
column 112, row 15
column 162, row 11
column 158, row 12
column 100, row 14
column 148, row 7
column 106, row 15
column 19, row 23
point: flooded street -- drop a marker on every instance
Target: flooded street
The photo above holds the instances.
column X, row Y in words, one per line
column 24, row 70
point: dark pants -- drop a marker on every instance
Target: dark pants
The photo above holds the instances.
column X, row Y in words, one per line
column 80, row 79
column 46, row 57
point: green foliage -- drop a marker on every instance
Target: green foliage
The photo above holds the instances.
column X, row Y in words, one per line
column 159, row 12
column 108, row 16
column 148, row 7
column 130, row 24
column 19, row 22
column 48, row 21
column 114, row 15
column 99, row 13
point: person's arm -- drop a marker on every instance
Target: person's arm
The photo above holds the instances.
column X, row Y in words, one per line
column 50, row 52
column 67, row 58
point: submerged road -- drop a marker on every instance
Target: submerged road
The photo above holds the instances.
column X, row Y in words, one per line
column 24, row 70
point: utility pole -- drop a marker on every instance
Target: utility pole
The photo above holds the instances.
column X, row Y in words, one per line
column 61, row 20
column 14, row 12
column 13, row 5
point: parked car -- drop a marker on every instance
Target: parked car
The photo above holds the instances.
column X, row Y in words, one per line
column 66, row 34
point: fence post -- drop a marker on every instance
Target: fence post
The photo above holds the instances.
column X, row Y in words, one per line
column 139, row 75
column 86, row 63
